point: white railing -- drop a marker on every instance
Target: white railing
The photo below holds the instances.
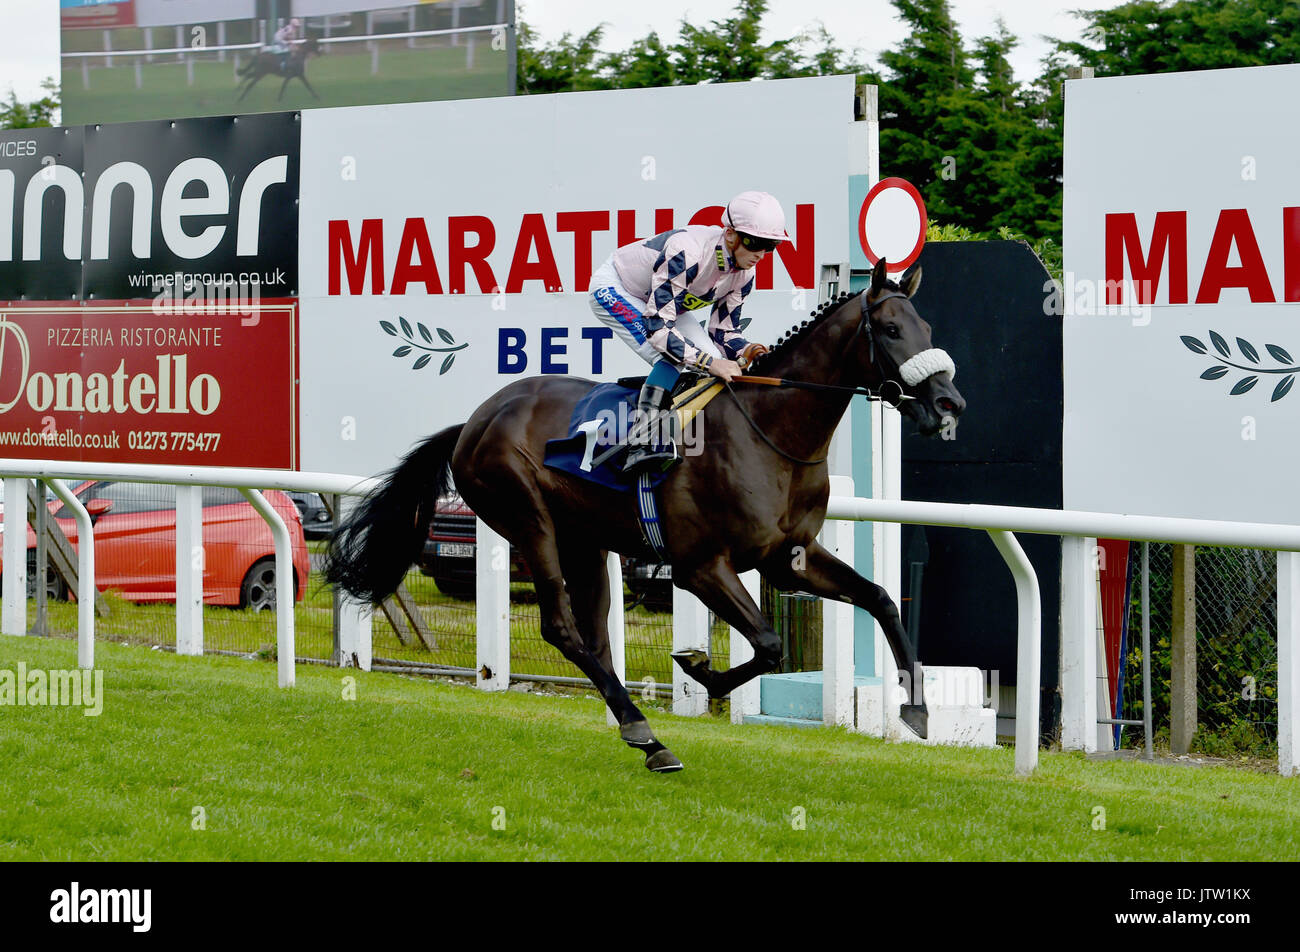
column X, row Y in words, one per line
column 249, row 481
column 1079, row 531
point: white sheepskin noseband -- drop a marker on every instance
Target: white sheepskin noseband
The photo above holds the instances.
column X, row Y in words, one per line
column 926, row 364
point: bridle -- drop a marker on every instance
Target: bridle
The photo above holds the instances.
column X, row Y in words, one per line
column 912, row 371
column 864, row 328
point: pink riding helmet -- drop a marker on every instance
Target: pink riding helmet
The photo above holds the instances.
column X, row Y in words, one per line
column 757, row 214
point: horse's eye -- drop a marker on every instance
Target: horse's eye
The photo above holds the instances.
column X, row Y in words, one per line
column 893, row 331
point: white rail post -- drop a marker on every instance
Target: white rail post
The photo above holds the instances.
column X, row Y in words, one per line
column 615, row 624
column 1029, row 625
column 285, row 644
column 85, row 575
column 837, row 623
column 747, row 698
column 190, row 563
column 14, row 587
column 1288, row 663
column 690, row 630
column 355, row 632
column 1078, row 644
column 492, row 608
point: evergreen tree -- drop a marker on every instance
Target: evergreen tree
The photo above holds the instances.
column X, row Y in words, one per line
column 27, row 115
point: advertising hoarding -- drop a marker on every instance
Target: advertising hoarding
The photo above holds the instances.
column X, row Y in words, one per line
column 164, row 59
column 1181, row 297
column 126, row 383
column 482, row 221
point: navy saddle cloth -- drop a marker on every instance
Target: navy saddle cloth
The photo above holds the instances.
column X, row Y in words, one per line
column 597, row 421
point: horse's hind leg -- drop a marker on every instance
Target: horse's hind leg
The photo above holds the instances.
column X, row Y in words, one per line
column 720, row 588
column 561, row 628
column 825, row 575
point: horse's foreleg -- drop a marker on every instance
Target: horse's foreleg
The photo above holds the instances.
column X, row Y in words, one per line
column 719, row 587
column 251, row 83
column 282, row 87
column 825, row 575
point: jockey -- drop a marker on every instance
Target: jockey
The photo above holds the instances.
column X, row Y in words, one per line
column 285, row 37
column 645, row 291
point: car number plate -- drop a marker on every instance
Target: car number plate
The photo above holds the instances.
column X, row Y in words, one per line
column 456, row 550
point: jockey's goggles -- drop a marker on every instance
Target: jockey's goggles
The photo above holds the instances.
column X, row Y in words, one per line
column 756, row 244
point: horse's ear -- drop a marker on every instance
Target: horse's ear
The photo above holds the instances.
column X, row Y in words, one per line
column 878, row 277
column 911, row 281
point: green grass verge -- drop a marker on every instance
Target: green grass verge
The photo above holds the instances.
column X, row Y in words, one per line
column 415, row 770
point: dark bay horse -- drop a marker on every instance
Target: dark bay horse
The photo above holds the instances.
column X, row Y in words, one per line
column 266, row 63
column 754, row 499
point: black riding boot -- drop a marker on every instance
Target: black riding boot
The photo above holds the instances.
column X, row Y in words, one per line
column 654, row 449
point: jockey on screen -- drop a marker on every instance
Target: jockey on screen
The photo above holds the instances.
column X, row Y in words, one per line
column 645, row 291
column 285, row 37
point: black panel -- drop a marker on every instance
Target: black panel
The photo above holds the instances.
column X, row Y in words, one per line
column 36, row 159
column 985, row 303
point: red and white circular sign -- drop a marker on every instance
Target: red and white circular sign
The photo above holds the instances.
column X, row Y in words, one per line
column 891, row 224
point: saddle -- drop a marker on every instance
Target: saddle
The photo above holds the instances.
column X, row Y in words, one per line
column 597, row 444
column 598, row 427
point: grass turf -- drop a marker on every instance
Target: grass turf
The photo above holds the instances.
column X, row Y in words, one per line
column 419, row 770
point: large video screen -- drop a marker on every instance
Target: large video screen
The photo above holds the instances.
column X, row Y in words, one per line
column 128, row 60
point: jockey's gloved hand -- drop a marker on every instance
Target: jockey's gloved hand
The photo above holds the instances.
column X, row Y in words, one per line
column 724, row 369
column 750, row 354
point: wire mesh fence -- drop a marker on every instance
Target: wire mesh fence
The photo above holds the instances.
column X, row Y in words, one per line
column 432, row 622
column 1236, row 648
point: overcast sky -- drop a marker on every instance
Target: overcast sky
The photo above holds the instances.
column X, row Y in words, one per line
column 29, row 29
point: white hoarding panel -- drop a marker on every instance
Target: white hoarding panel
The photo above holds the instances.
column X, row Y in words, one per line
column 173, row 12
column 478, row 223
column 1182, row 295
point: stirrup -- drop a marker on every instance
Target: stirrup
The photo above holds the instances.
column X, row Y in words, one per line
column 642, row 456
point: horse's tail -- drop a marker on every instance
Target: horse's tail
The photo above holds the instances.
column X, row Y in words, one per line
column 370, row 554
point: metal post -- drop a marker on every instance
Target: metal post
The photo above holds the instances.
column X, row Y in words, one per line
column 1146, row 650
column 746, row 699
column 284, row 572
column 690, row 630
column 85, row 573
column 13, row 619
column 1078, row 644
column 1029, row 618
column 492, row 608
column 615, row 624
column 1288, row 663
column 42, row 625
column 190, row 558
column 1182, row 678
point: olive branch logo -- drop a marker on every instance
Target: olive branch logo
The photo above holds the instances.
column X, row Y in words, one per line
column 413, row 344
column 1253, row 373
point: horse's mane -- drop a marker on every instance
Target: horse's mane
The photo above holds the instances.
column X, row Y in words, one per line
column 799, row 332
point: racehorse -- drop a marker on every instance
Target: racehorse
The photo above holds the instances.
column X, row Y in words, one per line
column 266, row 63
column 754, row 499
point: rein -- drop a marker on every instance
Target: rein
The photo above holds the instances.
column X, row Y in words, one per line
column 867, row 392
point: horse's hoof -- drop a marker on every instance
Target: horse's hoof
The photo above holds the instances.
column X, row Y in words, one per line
column 916, row 718
column 690, row 658
column 637, row 734
column 663, row 761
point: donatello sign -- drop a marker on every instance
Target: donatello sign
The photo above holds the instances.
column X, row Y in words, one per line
column 124, row 384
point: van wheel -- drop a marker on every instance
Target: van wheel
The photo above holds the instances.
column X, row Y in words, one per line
column 257, row 592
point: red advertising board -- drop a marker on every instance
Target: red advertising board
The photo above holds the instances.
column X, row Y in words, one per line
column 139, row 383
column 98, row 15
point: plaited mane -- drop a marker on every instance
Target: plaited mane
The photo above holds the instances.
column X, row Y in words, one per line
column 798, row 332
